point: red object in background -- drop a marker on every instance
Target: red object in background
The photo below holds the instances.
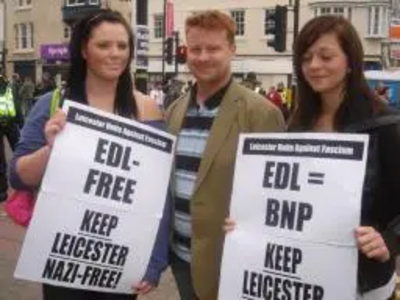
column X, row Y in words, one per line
column 181, row 54
column 19, row 207
column 275, row 98
column 394, row 32
column 169, row 18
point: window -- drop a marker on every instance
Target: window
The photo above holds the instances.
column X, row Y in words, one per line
column 378, row 24
column 339, row 11
column 94, row 2
column 76, row 2
column 239, row 17
column 325, row 11
column 24, row 36
column 23, row 4
column 67, row 32
column 158, row 26
column 268, row 22
column 334, row 10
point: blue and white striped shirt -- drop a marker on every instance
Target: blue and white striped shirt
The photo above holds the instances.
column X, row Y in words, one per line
column 192, row 141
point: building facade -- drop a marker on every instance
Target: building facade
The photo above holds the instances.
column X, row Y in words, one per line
column 35, row 44
column 2, row 34
column 370, row 17
column 37, row 33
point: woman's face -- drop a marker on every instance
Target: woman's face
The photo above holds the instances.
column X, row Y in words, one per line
column 325, row 66
column 107, row 51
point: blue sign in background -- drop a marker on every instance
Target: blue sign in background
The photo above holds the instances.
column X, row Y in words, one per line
column 142, row 47
column 394, row 90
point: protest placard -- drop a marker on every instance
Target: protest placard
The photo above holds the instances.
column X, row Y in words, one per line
column 297, row 201
column 100, row 203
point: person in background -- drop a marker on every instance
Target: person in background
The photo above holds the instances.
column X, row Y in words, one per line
column 10, row 121
column 26, row 93
column 172, row 91
column 286, row 101
column 157, row 94
column 15, row 84
column 44, row 86
column 101, row 50
column 382, row 92
column 275, row 97
column 252, row 83
column 333, row 96
column 207, row 122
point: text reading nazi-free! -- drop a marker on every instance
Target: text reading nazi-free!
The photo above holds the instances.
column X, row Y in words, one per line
column 89, row 258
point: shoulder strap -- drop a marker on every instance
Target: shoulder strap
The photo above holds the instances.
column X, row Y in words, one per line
column 55, row 101
column 373, row 124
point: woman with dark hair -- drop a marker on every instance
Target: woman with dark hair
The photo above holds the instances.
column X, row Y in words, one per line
column 333, row 96
column 101, row 49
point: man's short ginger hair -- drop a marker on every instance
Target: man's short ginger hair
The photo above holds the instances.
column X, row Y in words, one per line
column 213, row 20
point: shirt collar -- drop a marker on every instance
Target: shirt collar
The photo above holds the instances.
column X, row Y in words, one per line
column 214, row 100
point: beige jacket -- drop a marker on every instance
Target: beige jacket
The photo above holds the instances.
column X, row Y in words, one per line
column 241, row 110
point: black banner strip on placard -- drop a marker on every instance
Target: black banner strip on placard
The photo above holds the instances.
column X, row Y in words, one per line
column 349, row 150
column 116, row 128
column 86, row 262
column 281, row 274
column 95, row 237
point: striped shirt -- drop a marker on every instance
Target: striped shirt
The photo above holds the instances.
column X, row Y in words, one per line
column 192, row 141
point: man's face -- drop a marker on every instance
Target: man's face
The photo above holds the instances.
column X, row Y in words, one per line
column 209, row 54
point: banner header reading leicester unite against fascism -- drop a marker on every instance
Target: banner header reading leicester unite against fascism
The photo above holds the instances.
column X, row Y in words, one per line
column 118, row 129
column 352, row 150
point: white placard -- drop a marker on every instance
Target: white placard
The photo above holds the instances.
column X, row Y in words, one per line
column 297, row 201
column 100, row 203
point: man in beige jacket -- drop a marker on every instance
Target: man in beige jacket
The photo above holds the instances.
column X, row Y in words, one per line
column 207, row 122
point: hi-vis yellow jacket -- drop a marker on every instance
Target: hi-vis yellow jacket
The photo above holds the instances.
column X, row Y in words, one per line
column 7, row 106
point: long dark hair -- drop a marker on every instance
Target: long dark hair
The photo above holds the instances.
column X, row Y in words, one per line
column 124, row 104
column 359, row 101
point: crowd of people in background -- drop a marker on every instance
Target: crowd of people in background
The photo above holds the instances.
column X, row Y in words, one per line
column 26, row 91
column 279, row 95
column 173, row 88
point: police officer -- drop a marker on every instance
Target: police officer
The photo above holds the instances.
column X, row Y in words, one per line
column 9, row 128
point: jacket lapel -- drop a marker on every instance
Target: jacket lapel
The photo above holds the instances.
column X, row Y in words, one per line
column 175, row 124
column 220, row 129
